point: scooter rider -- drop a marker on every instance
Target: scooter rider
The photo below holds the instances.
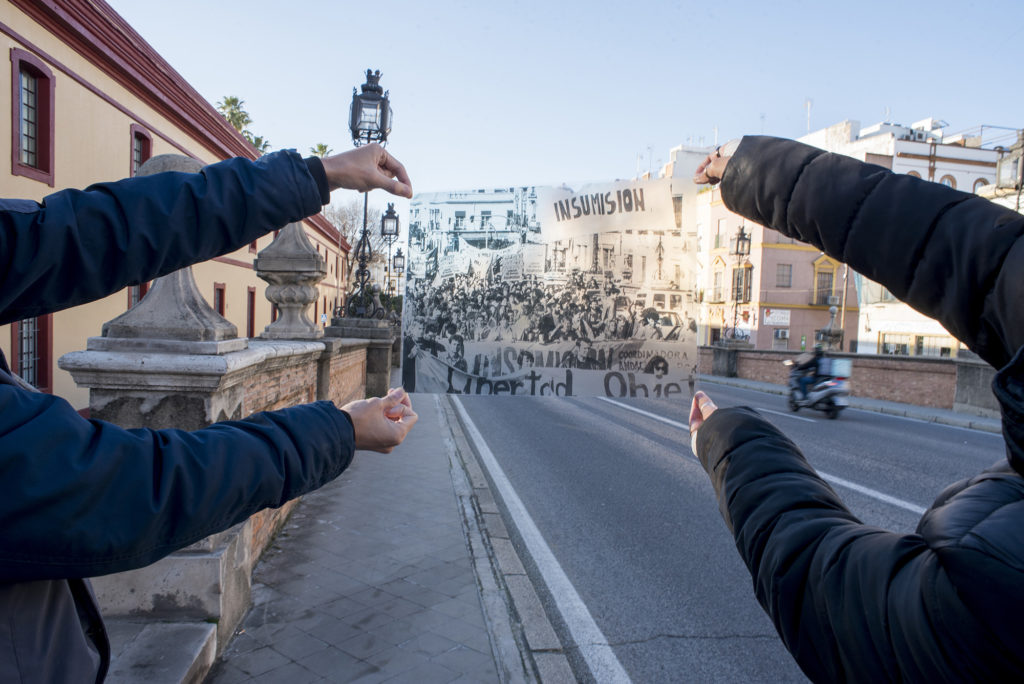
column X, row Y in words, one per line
column 810, row 367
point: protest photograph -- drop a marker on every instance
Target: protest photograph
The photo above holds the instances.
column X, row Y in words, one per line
column 545, row 291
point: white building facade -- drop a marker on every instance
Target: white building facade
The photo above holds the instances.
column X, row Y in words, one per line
column 924, row 150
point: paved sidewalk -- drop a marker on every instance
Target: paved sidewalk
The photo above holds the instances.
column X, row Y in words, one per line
column 377, row 577
column 925, row 413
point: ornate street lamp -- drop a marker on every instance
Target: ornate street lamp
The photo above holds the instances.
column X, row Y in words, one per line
column 399, row 265
column 739, row 247
column 389, row 231
column 369, row 116
column 370, row 121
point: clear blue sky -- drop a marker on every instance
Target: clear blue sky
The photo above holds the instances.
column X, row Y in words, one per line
column 491, row 94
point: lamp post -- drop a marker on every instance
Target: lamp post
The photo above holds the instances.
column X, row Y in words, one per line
column 659, row 251
column 399, row 265
column 369, row 121
column 739, row 247
column 389, row 231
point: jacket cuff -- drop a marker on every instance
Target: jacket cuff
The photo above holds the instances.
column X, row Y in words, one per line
column 316, row 169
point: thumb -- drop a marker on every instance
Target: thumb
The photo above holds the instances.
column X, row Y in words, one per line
column 394, row 402
column 700, row 410
column 400, row 189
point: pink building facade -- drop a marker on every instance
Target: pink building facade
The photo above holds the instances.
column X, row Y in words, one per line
column 778, row 296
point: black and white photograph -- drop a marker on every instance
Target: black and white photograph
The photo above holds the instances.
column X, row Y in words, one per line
column 549, row 291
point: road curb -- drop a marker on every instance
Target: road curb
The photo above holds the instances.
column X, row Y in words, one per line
column 525, row 642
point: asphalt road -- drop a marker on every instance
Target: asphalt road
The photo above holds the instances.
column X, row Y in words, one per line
column 630, row 519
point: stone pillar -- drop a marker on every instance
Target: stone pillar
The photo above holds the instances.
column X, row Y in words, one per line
column 724, row 357
column 974, row 386
column 378, row 351
column 396, row 332
column 293, row 268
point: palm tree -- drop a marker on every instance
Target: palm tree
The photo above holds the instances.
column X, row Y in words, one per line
column 258, row 141
column 321, row 150
column 230, row 107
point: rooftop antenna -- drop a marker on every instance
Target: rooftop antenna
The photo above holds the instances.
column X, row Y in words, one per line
column 807, row 103
column 887, row 112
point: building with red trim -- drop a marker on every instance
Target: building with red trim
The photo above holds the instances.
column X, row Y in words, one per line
column 89, row 100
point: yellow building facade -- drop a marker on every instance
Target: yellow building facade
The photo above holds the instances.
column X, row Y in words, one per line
column 86, row 100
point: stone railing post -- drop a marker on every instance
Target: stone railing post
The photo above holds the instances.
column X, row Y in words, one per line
column 974, row 386
column 292, row 267
column 379, row 335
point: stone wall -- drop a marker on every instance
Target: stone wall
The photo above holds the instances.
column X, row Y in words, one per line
column 280, row 382
column 937, row 383
column 348, row 374
column 210, row 580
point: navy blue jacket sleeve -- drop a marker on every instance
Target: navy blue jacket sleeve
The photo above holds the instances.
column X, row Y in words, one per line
column 85, row 498
column 80, row 245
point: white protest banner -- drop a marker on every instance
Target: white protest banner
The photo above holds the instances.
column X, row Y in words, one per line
column 596, row 208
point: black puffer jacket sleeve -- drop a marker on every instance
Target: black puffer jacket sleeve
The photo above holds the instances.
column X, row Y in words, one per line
column 937, row 249
column 853, row 602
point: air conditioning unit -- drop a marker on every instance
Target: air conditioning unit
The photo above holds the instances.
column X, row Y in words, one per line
column 781, row 333
column 833, row 300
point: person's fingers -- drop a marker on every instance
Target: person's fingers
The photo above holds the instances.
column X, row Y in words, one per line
column 711, row 169
column 701, row 409
column 404, row 396
column 367, row 168
column 398, row 182
column 707, row 406
column 397, row 404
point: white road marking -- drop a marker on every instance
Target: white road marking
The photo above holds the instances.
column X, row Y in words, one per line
column 874, row 494
column 593, row 645
column 654, row 416
column 867, row 491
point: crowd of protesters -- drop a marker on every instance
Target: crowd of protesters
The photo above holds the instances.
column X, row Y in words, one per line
column 464, row 308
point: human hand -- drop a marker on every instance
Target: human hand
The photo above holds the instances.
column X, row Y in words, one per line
column 701, row 409
column 367, row 168
column 712, row 168
column 381, row 424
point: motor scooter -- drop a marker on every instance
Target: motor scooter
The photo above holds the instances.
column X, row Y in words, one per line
column 829, row 393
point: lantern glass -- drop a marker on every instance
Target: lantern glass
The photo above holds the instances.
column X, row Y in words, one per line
column 740, row 245
column 399, row 261
column 370, row 112
column 389, row 222
column 369, row 116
